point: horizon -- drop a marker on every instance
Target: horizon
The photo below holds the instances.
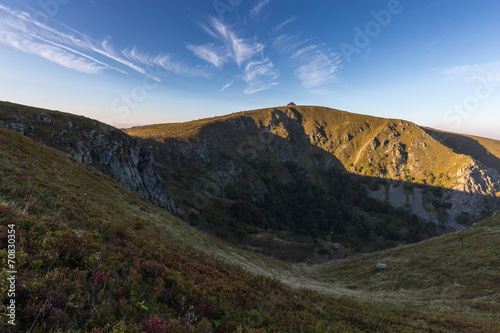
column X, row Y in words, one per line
column 131, row 64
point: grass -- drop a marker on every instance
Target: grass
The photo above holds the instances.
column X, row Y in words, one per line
column 347, row 136
column 111, row 261
column 65, row 210
column 485, row 150
column 454, row 273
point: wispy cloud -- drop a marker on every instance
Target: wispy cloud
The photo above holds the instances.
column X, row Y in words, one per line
column 319, row 69
column 165, row 62
column 280, row 26
column 286, row 44
column 255, row 11
column 72, row 49
column 304, row 51
column 20, row 31
column 239, row 49
column 227, row 86
column 260, row 75
column 30, row 36
column 314, row 64
column 58, row 55
column 257, row 71
column 477, row 72
column 216, row 56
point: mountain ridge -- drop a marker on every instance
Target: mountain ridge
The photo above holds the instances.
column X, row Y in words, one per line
column 380, row 148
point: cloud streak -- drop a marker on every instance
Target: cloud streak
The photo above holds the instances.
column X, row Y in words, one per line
column 165, row 62
column 259, row 75
column 229, row 45
column 314, row 65
column 255, row 11
column 79, row 52
column 477, row 72
column 210, row 53
column 55, row 54
column 258, row 72
column 227, row 86
column 21, row 31
column 280, row 26
column 320, row 68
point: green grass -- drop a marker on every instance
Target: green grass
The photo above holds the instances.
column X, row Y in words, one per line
column 110, row 260
column 439, row 274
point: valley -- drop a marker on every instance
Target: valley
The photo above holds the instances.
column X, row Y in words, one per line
column 271, row 163
column 96, row 253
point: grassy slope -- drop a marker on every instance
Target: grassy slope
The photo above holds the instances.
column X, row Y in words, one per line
column 233, row 135
column 439, row 274
column 94, row 260
column 482, row 149
column 349, row 137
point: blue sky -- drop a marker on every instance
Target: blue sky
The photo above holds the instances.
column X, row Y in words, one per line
column 436, row 63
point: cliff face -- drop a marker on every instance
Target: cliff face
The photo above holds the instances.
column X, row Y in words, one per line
column 472, row 196
column 95, row 144
column 474, row 190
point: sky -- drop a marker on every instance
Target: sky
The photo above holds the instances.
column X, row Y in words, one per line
column 128, row 63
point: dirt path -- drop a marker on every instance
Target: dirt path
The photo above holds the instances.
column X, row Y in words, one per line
column 358, row 156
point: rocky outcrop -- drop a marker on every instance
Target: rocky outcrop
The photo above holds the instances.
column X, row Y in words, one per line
column 399, row 197
column 401, row 146
column 95, row 144
column 474, row 191
column 126, row 161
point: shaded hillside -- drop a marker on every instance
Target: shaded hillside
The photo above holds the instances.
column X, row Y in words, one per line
column 484, row 150
column 102, row 262
column 94, row 143
column 264, row 177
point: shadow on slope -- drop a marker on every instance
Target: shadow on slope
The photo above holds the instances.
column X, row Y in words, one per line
column 467, row 145
column 102, row 261
column 264, row 185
